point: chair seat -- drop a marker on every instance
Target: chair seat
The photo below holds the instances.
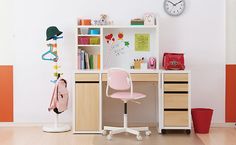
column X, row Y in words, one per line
column 127, row 96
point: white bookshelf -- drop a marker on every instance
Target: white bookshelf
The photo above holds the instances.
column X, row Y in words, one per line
column 107, row 58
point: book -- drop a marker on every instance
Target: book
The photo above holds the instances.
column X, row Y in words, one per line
column 87, row 60
column 78, row 59
column 91, row 61
column 95, row 66
column 98, row 61
column 82, row 60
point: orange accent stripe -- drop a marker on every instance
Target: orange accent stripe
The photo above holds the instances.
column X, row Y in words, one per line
column 230, row 100
column 6, row 93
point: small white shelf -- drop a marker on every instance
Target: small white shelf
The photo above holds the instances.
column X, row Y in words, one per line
column 89, row 26
column 90, row 35
column 117, row 26
column 138, row 71
column 88, row 71
column 130, row 26
column 89, row 45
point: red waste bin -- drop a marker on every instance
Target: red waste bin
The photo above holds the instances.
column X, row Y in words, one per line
column 201, row 119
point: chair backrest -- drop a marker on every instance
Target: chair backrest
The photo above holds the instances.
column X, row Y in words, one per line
column 119, row 79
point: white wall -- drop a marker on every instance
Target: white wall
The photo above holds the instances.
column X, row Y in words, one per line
column 199, row 32
column 6, row 32
column 231, row 31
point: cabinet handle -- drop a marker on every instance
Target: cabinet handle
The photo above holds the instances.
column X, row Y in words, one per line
column 175, row 109
column 86, row 82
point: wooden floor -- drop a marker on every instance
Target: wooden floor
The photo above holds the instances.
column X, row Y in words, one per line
column 35, row 136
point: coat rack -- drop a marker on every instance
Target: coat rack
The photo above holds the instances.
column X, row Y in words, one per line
column 51, row 55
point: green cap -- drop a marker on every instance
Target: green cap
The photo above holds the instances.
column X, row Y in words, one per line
column 52, row 31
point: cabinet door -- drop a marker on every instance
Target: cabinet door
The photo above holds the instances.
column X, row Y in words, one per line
column 87, row 107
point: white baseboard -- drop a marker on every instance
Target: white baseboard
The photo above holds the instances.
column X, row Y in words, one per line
column 20, row 124
column 150, row 124
column 223, row 125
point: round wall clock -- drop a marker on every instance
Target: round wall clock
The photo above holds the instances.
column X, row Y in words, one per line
column 174, row 7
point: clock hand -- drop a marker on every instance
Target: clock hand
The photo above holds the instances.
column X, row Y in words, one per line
column 171, row 3
column 178, row 2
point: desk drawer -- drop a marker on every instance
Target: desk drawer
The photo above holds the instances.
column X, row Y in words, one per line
column 176, row 101
column 176, row 87
column 86, row 77
column 142, row 77
column 176, row 77
column 176, row 118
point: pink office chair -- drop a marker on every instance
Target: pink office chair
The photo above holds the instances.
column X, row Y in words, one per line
column 119, row 79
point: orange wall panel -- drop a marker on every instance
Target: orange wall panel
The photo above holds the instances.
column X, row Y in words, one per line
column 6, row 93
column 230, row 110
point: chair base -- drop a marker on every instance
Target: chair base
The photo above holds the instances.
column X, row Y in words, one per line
column 133, row 130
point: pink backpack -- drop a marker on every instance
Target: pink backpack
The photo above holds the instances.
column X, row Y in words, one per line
column 59, row 100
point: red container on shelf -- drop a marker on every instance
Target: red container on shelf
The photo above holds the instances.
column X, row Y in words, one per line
column 83, row 40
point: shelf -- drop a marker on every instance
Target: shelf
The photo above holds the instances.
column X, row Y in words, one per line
column 87, row 71
column 117, row 26
column 90, row 35
column 130, row 26
column 89, row 45
column 138, row 71
column 88, row 26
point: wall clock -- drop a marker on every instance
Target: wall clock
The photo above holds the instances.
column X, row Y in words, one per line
column 174, row 7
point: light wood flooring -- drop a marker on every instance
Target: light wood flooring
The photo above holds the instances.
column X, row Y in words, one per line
column 35, row 136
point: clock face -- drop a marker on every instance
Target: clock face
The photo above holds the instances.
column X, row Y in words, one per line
column 174, row 7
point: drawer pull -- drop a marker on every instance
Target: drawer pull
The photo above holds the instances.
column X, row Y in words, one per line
column 184, row 82
column 86, row 82
column 176, row 92
column 175, row 109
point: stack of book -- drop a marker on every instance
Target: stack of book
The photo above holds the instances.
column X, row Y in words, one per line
column 88, row 61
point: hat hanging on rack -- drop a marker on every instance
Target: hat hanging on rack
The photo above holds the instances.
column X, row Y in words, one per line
column 52, row 32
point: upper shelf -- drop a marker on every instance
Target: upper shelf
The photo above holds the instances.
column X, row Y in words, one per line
column 91, row 35
column 117, row 26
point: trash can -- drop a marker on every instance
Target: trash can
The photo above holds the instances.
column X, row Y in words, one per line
column 201, row 119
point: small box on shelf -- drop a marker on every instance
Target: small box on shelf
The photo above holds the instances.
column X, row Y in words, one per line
column 94, row 40
column 83, row 40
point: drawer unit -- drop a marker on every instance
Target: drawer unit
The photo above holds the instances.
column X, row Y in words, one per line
column 176, row 118
column 175, row 101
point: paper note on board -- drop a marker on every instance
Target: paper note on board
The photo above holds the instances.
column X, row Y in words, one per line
column 142, row 42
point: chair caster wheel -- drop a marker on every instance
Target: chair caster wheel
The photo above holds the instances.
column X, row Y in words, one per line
column 104, row 132
column 188, row 131
column 147, row 133
column 109, row 136
column 139, row 137
column 163, row 131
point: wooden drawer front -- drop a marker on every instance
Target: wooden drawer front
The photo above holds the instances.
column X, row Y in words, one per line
column 176, row 118
column 87, row 107
column 86, row 77
column 176, row 101
column 176, row 87
column 176, row 77
column 139, row 77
